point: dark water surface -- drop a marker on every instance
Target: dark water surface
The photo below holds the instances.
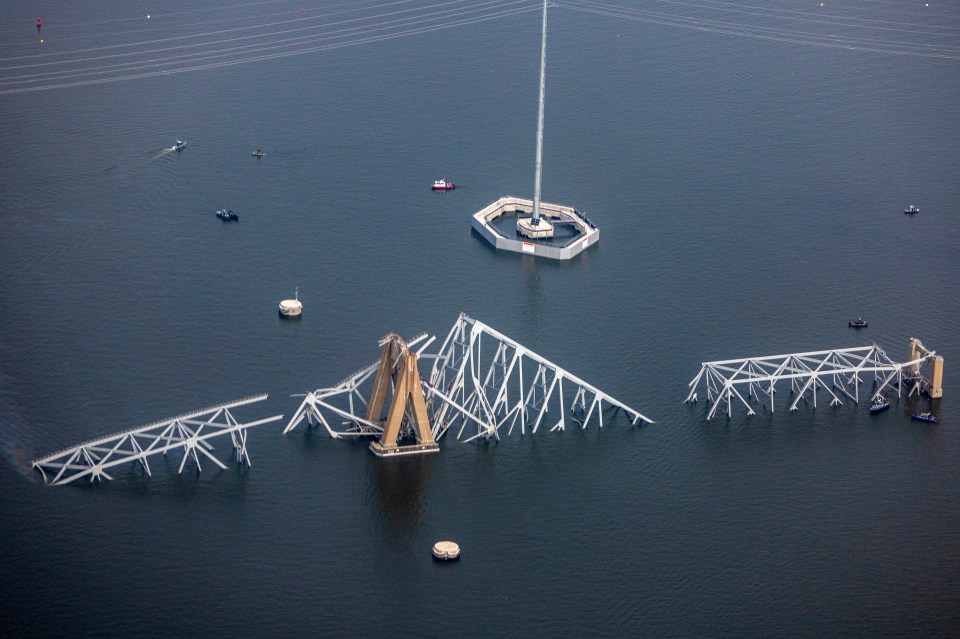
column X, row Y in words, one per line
column 749, row 194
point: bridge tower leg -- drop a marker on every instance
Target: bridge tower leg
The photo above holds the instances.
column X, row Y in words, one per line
column 918, row 350
column 936, row 377
column 914, row 354
column 407, row 414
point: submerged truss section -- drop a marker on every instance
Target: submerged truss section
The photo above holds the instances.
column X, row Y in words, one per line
column 188, row 434
column 482, row 383
column 837, row 372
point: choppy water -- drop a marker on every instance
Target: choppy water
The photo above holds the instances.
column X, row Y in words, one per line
column 749, row 194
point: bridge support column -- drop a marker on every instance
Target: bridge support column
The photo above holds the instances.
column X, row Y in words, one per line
column 936, row 377
column 408, row 411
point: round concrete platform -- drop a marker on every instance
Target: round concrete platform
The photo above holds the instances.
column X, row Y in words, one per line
column 446, row 550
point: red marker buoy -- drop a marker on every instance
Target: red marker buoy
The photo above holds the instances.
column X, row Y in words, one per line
column 38, row 24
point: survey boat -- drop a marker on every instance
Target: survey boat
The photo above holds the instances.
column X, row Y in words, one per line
column 879, row 404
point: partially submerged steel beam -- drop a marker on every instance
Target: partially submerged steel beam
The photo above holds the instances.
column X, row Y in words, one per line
column 481, row 383
column 836, row 372
column 189, row 434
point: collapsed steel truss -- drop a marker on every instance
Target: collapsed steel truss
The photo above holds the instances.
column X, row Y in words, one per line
column 833, row 371
column 189, row 433
column 480, row 379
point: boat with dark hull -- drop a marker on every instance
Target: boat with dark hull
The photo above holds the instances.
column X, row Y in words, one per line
column 858, row 323
column 227, row 215
column 929, row 418
column 879, row 404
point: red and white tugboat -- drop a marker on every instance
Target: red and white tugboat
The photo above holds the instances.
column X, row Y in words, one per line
column 442, row 185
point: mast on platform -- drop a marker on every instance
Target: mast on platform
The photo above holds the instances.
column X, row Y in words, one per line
column 536, row 226
column 536, row 220
column 538, row 172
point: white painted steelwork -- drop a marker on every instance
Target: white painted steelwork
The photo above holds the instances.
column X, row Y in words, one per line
column 538, row 170
column 490, row 393
column 189, row 433
column 480, row 379
column 832, row 370
column 348, row 389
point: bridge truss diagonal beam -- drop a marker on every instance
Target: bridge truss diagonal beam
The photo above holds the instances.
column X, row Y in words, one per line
column 836, row 372
column 189, row 434
column 514, row 388
column 481, row 383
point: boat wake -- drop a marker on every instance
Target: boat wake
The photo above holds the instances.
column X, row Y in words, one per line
column 167, row 150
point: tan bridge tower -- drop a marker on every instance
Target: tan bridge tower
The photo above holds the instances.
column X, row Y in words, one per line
column 407, row 415
column 918, row 351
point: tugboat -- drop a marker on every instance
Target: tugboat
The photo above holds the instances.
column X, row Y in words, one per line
column 258, row 153
column 858, row 323
column 911, row 209
column 292, row 308
column 180, row 145
column 924, row 417
column 442, row 185
column 879, row 404
column 227, row 215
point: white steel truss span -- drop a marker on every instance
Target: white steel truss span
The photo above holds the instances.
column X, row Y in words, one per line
column 189, row 434
column 834, row 371
column 481, row 383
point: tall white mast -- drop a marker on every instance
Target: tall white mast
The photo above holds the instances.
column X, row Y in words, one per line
column 539, row 164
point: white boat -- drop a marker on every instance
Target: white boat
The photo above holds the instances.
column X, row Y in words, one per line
column 292, row 308
column 912, row 209
column 442, row 185
column 180, row 145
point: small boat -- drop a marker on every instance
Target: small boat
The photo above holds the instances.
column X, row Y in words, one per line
column 292, row 308
column 879, row 404
column 924, row 417
column 858, row 323
column 442, row 185
column 180, row 145
column 258, row 153
column 227, row 215
column 912, row 209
